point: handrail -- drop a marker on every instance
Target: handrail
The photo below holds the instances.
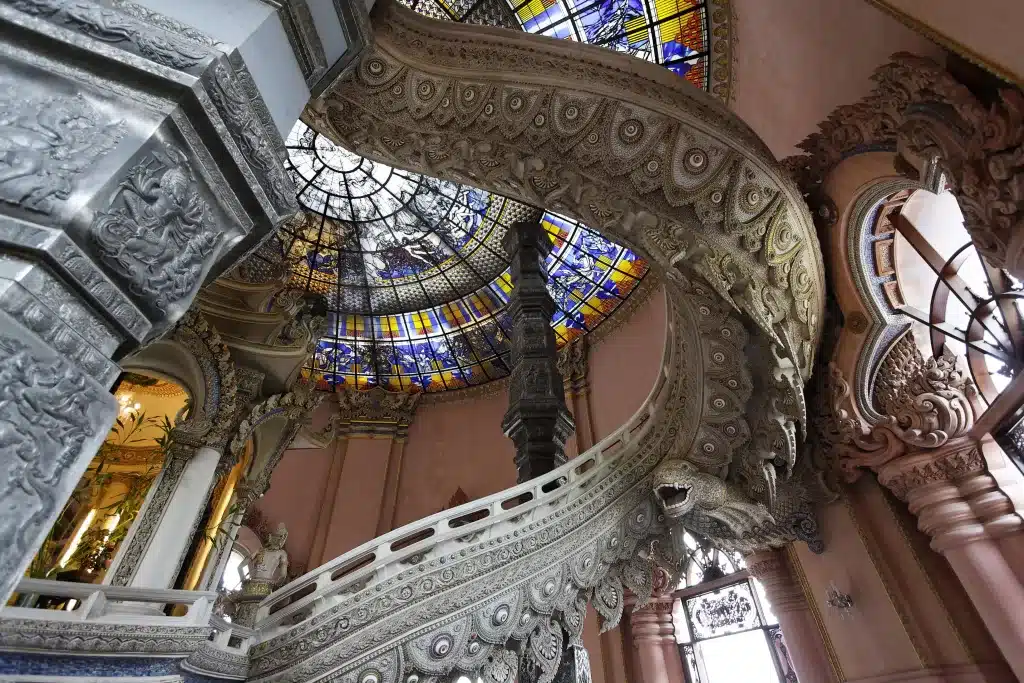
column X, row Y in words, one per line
column 100, row 603
column 376, row 560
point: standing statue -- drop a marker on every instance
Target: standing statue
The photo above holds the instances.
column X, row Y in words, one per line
column 270, row 570
column 271, row 563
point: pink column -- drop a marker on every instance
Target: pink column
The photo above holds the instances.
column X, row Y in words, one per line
column 801, row 633
column 654, row 642
column 962, row 508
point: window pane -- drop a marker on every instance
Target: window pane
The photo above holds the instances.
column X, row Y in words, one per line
column 236, row 563
column 723, row 611
column 739, row 658
column 766, row 607
column 682, row 629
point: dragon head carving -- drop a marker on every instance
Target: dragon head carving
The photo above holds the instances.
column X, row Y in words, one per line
column 684, row 492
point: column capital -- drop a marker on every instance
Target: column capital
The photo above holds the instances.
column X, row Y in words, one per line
column 952, row 494
column 370, row 413
column 772, row 569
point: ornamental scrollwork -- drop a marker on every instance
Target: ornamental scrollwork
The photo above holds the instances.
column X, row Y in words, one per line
column 159, row 230
column 919, row 108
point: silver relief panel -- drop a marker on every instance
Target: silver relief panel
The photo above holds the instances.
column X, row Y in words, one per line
column 52, row 419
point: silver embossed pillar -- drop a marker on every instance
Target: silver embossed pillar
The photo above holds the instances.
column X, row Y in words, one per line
column 139, row 160
column 537, row 419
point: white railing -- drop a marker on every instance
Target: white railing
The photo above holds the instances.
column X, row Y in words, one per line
column 231, row 637
column 448, row 532
column 109, row 604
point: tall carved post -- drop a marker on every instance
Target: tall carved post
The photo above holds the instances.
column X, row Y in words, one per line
column 537, row 419
column 802, row 636
column 654, row 643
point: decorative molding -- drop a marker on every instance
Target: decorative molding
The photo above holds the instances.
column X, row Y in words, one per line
column 32, row 295
column 33, row 635
column 947, row 465
column 238, row 100
column 216, row 662
column 921, row 109
column 159, row 39
column 302, row 36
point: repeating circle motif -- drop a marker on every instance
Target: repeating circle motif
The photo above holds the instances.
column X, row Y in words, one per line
column 525, row 619
column 549, row 588
column 593, row 138
column 468, row 95
column 732, row 384
column 717, row 196
column 705, row 310
column 572, row 112
column 653, row 166
column 730, row 430
column 425, row 90
column 488, row 109
column 718, row 403
column 441, row 646
column 474, row 647
column 501, row 615
column 539, row 120
column 370, row 676
column 695, row 160
column 718, row 357
column 376, row 67
column 405, row 593
column 516, row 102
column 397, row 90
column 446, row 102
column 631, row 130
column 751, row 196
column 726, row 333
column 413, row 678
column 708, row 447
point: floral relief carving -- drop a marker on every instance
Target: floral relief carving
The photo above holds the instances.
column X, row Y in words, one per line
column 950, row 467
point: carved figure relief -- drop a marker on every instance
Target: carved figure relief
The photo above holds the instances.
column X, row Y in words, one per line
column 103, row 23
column 47, row 413
column 46, row 143
column 159, row 230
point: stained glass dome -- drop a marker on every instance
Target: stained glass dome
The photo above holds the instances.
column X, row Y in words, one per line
column 412, row 268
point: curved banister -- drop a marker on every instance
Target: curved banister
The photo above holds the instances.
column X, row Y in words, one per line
column 376, row 560
column 295, row 602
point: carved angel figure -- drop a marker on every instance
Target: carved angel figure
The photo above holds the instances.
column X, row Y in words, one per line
column 45, row 143
column 682, row 490
column 159, row 231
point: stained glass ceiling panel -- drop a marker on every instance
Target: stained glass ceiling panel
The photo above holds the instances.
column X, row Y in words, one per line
column 412, row 267
column 673, row 33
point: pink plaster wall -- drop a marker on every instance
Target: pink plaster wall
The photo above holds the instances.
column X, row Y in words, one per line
column 460, row 444
column 624, row 366
column 452, row 445
column 295, row 497
column 797, row 60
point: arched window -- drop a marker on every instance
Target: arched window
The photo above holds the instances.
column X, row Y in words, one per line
column 959, row 303
column 724, row 625
column 236, row 570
